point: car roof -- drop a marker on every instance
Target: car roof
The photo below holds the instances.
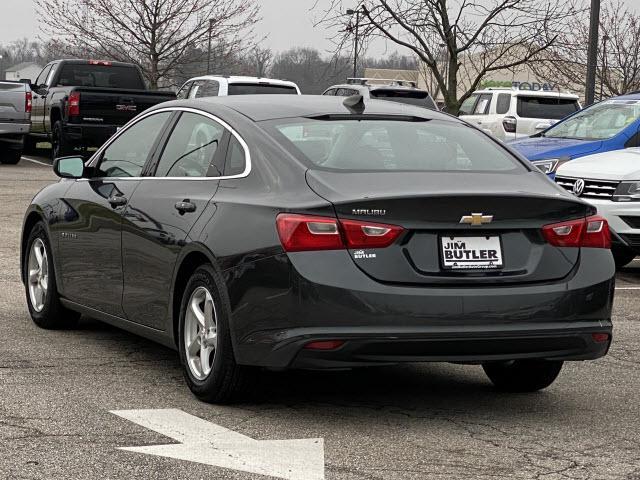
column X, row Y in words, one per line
column 244, row 79
column 379, row 86
column 529, row 93
column 628, row 96
column 269, row 107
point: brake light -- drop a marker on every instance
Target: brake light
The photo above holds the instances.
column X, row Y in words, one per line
column 73, row 104
column 299, row 233
column 28, row 102
column 592, row 232
column 100, row 62
column 509, row 124
column 324, row 345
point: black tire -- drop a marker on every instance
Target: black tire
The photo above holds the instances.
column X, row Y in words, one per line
column 59, row 144
column 622, row 256
column 227, row 381
column 53, row 315
column 30, row 144
column 522, row 375
column 10, row 156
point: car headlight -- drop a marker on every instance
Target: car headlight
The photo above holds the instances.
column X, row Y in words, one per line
column 627, row 192
column 550, row 165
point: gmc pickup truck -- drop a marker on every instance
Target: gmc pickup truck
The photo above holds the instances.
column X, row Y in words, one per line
column 79, row 104
column 15, row 113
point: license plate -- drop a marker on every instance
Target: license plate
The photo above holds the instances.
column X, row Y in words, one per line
column 471, row 253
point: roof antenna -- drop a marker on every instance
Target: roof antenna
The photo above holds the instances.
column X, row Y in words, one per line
column 355, row 104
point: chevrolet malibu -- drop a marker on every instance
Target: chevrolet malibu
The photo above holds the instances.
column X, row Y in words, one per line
column 320, row 233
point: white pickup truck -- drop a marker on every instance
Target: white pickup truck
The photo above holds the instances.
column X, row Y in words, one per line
column 611, row 182
column 15, row 119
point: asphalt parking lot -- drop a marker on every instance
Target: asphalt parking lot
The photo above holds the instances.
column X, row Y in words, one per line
column 435, row 421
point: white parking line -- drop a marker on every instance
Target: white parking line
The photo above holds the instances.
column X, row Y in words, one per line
column 627, row 288
column 33, row 160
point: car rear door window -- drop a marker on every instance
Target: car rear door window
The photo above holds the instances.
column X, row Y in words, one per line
column 183, row 93
column 236, row 160
column 191, row 148
column 546, row 107
column 503, row 104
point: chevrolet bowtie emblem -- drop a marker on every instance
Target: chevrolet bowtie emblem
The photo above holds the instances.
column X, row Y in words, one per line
column 476, row 219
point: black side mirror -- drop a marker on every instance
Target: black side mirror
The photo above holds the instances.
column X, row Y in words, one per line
column 69, row 167
column 25, row 80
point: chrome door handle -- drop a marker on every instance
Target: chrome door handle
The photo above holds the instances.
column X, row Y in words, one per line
column 117, row 201
column 185, row 206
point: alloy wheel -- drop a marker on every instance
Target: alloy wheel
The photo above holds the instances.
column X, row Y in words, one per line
column 200, row 333
column 38, row 275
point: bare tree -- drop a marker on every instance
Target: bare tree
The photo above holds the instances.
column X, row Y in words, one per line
column 618, row 69
column 156, row 35
column 261, row 58
column 460, row 42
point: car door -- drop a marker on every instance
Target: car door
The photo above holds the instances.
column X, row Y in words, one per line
column 90, row 232
column 38, row 101
column 164, row 209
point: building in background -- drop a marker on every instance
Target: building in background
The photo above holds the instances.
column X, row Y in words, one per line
column 21, row 71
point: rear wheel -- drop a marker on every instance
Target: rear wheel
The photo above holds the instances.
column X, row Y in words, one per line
column 9, row 156
column 40, row 283
column 59, row 143
column 522, row 375
column 623, row 256
column 30, row 144
column 206, row 353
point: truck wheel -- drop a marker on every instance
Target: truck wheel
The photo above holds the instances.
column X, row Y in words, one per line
column 622, row 256
column 522, row 375
column 9, row 156
column 59, row 145
column 30, row 144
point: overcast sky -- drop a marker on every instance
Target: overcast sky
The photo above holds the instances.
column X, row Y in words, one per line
column 287, row 23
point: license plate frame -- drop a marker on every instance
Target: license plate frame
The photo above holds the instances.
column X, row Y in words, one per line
column 492, row 242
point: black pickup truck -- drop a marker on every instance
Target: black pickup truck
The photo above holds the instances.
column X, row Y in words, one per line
column 79, row 104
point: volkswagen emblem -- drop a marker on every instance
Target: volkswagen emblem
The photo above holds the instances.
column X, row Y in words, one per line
column 578, row 187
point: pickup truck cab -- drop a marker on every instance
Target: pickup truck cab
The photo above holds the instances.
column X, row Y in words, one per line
column 79, row 104
column 15, row 114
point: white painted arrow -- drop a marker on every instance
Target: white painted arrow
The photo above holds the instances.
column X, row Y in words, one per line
column 211, row 444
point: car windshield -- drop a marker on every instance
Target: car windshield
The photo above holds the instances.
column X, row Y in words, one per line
column 391, row 144
column 260, row 89
column 598, row 122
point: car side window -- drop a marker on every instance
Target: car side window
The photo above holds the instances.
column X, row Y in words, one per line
column 128, row 154
column 503, row 104
column 206, row 88
column 191, row 148
column 468, row 105
column 482, row 107
column 43, row 75
column 183, row 93
column 331, row 91
column 236, row 160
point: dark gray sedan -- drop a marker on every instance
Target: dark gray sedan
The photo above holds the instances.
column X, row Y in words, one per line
column 320, row 232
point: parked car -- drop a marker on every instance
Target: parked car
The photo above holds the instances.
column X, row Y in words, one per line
column 79, row 104
column 212, row 227
column 509, row 114
column 613, row 124
column 15, row 119
column 610, row 181
column 222, row 86
column 400, row 91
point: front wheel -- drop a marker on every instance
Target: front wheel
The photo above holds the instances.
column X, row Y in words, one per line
column 40, row 284
column 522, row 375
column 206, row 353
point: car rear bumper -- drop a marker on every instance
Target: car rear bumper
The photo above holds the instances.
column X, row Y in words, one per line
column 14, row 129
column 378, row 323
column 89, row 135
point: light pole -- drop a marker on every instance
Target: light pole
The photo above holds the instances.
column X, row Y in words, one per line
column 351, row 11
column 209, row 47
column 1, row 71
column 605, row 39
column 592, row 52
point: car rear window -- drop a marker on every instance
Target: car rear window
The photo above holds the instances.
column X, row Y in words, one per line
column 545, row 107
column 260, row 89
column 411, row 97
column 391, row 144
column 106, row 76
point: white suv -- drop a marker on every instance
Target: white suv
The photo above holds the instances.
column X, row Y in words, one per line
column 611, row 182
column 509, row 114
column 221, row 86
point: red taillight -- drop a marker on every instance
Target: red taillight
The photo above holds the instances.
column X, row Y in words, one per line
column 600, row 337
column 73, row 104
column 592, row 232
column 324, row 345
column 28, row 102
column 299, row 233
